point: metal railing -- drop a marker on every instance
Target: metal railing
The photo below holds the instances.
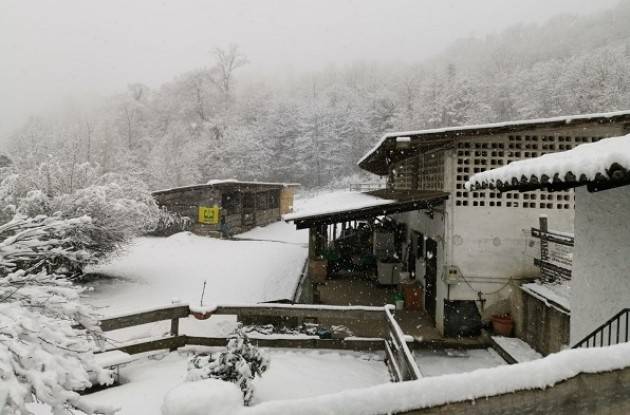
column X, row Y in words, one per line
column 365, row 187
column 613, row 331
column 402, row 365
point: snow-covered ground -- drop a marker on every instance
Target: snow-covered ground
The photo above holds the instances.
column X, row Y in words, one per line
column 447, row 361
column 292, row 374
column 154, row 271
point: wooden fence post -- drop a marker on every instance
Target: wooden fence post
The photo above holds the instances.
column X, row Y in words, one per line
column 174, row 331
column 544, row 246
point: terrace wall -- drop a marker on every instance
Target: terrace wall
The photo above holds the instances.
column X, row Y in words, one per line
column 586, row 394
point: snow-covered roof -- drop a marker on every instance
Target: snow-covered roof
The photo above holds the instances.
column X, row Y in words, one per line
column 490, row 128
column 606, row 161
column 225, row 182
column 339, row 206
column 335, row 202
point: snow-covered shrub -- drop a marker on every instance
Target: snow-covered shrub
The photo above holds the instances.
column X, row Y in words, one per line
column 240, row 363
column 122, row 204
column 208, row 396
column 47, row 336
column 169, row 223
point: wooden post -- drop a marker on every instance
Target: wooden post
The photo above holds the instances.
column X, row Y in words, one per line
column 174, row 331
column 544, row 245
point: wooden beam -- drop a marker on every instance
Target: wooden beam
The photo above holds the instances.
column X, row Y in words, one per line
column 167, row 313
column 336, row 344
column 301, row 312
column 170, row 343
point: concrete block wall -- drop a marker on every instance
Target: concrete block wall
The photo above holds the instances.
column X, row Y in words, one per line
column 585, row 394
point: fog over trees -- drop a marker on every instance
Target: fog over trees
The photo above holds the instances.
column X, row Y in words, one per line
column 211, row 123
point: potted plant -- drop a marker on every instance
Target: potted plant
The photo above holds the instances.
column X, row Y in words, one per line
column 502, row 324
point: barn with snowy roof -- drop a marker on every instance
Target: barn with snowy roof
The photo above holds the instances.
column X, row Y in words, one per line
column 600, row 173
column 228, row 207
column 482, row 237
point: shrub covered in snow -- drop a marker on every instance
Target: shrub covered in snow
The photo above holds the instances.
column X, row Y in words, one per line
column 240, row 363
column 44, row 355
column 120, row 203
column 170, row 223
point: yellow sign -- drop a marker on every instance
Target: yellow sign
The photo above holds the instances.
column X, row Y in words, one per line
column 209, row 215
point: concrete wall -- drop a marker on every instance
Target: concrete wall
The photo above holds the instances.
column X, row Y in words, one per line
column 585, row 394
column 600, row 285
column 433, row 228
column 491, row 245
column 544, row 328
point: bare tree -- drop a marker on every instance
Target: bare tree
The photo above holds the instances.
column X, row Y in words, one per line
column 227, row 61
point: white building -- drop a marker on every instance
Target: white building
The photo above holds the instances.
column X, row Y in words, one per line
column 469, row 250
column 600, row 174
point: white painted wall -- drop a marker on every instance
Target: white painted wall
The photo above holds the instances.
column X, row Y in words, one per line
column 600, row 285
column 434, row 229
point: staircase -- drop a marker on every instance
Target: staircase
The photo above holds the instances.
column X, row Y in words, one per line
column 614, row 331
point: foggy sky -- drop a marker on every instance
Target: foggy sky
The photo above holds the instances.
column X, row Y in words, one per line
column 51, row 50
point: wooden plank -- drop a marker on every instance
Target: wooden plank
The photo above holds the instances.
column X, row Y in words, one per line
column 300, row 312
column 170, row 343
column 335, row 344
column 167, row 313
column 556, row 238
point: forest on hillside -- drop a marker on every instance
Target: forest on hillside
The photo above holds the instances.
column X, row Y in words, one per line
column 210, row 123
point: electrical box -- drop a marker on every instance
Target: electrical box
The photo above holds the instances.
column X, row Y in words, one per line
column 452, row 274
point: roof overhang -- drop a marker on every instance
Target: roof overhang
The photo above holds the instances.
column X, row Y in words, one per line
column 229, row 186
column 600, row 165
column 388, row 151
column 399, row 201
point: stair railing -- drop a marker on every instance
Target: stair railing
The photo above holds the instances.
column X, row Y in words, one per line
column 613, row 331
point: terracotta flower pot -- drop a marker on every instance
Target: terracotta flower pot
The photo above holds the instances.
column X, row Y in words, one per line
column 201, row 316
column 502, row 324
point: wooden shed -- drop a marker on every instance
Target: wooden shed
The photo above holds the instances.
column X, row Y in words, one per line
column 239, row 205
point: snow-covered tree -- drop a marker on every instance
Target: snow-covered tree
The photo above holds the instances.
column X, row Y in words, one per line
column 47, row 336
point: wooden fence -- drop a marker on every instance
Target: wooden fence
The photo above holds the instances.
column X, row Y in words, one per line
column 399, row 358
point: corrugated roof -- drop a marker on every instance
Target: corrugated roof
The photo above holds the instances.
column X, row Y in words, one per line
column 224, row 184
column 599, row 165
column 374, row 160
column 343, row 206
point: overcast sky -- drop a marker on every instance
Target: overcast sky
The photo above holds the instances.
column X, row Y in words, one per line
column 50, row 50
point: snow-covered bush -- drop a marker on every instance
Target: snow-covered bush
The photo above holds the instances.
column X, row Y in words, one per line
column 169, row 223
column 240, row 363
column 120, row 203
column 47, row 336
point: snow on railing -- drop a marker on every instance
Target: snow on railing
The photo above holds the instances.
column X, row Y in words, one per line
column 399, row 358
